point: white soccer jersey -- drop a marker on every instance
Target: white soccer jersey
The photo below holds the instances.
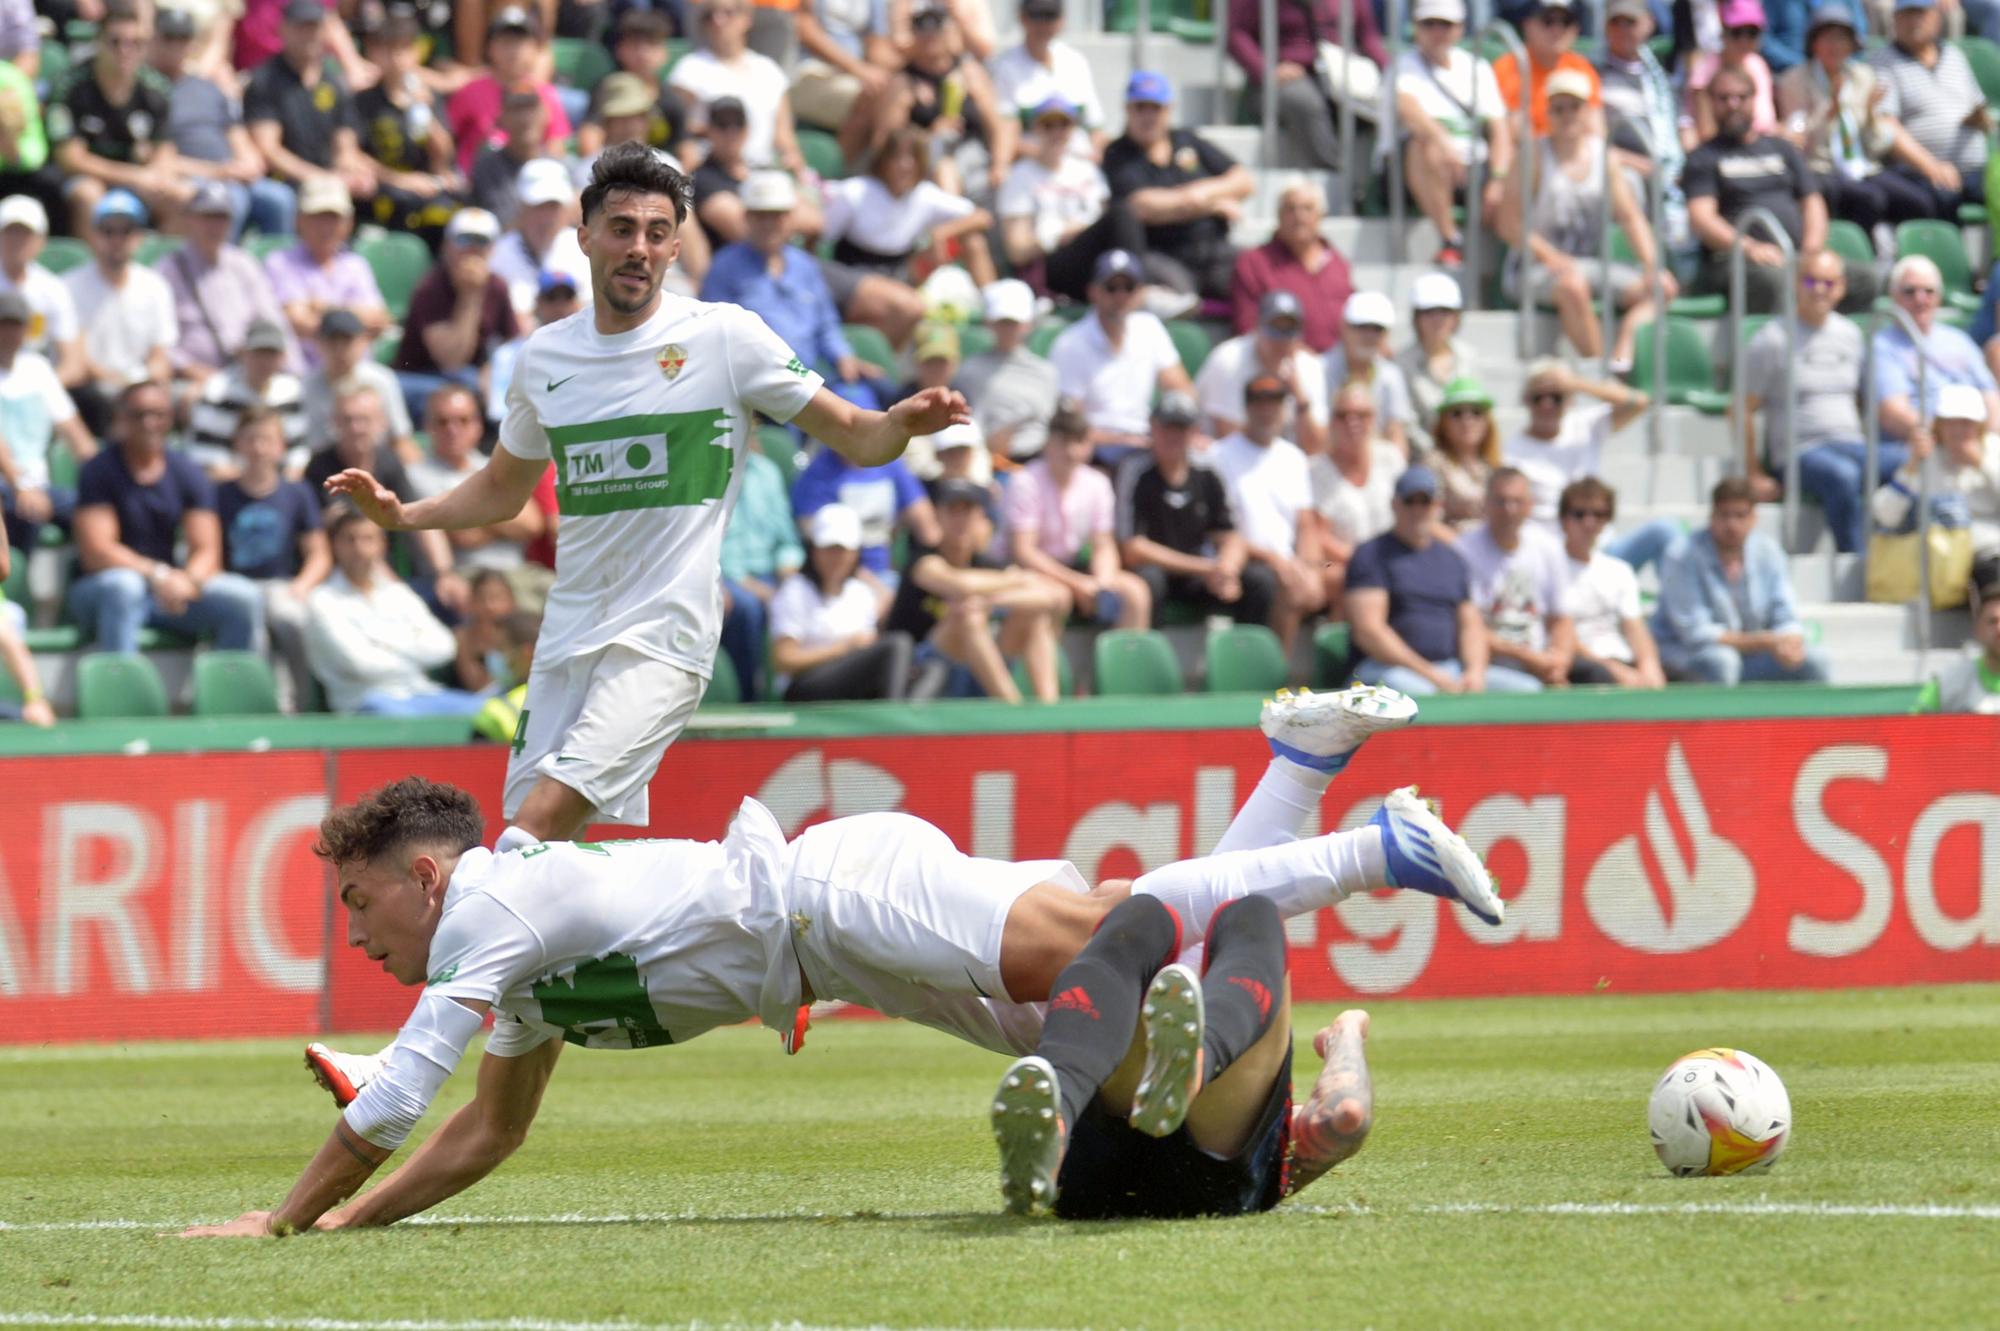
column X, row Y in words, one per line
column 648, row 430
column 621, row 944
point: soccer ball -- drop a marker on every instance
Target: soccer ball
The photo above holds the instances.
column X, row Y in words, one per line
column 1719, row 1111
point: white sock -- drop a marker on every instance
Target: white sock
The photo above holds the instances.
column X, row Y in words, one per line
column 1276, row 812
column 1298, row 876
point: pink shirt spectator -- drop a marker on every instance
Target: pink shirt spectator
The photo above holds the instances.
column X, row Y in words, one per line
column 473, row 116
column 1764, row 109
column 1063, row 520
column 259, row 33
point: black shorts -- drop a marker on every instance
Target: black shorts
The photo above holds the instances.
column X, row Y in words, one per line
column 1113, row 1172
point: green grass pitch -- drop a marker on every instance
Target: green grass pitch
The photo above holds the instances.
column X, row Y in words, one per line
column 724, row 1185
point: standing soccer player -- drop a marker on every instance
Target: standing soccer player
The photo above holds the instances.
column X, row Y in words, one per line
column 645, row 402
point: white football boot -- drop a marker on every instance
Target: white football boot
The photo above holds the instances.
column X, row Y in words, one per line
column 1321, row 731
column 1027, row 1122
column 1175, row 1022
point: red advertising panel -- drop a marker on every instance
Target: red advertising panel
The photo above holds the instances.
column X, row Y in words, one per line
column 1636, row 857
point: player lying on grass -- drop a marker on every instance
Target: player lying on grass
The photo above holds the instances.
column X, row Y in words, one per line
column 637, row 943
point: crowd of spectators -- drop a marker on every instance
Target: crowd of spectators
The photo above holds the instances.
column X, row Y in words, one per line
column 222, row 336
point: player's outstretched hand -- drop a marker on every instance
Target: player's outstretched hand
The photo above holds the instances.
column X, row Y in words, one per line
column 930, row 411
column 376, row 501
column 249, row 1225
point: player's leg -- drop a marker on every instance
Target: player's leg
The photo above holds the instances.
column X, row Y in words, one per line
column 1313, row 737
column 1086, row 1035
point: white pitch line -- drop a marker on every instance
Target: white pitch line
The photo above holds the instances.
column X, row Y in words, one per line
column 1753, row 1208
column 158, row 1322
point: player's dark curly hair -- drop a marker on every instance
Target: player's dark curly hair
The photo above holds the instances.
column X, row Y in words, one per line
column 635, row 168
column 406, row 813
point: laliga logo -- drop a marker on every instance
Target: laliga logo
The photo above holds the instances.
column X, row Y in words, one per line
column 1710, row 897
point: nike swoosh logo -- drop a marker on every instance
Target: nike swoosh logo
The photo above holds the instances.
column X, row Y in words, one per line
column 554, row 384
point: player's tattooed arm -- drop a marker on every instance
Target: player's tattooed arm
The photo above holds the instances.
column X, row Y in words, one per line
column 1333, row 1122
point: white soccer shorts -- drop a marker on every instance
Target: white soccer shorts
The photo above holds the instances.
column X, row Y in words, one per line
column 600, row 724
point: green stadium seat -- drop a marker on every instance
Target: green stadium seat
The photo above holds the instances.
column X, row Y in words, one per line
column 1944, row 245
column 399, row 261
column 1333, row 657
column 262, row 247
column 1065, row 676
column 1984, row 57
column 579, row 62
column 1690, row 379
column 870, row 344
column 63, row 253
column 234, row 684
column 1191, row 340
column 156, row 249
column 1135, row 662
column 782, row 447
column 15, row 588
column 974, row 339
column 114, row 684
column 387, row 346
column 822, row 153
column 1850, row 242
column 1044, row 337
column 723, row 686
column 1245, row 658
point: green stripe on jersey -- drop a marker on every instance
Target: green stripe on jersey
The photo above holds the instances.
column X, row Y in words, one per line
column 670, row 460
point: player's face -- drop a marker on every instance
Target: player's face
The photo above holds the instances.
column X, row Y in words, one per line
column 392, row 911
column 631, row 243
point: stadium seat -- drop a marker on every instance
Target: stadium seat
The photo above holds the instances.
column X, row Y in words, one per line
column 973, row 339
column 234, row 684
column 156, row 248
column 1045, row 337
column 1943, row 245
column 723, row 686
column 869, row 344
column 822, row 153
column 1333, row 657
column 63, row 253
column 1984, row 57
column 1191, row 341
column 387, row 346
column 1850, row 242
column 579, row 62
column 1135, row 662
column 15, row 589
column 1690, row 380
column 399, row 261
column 782, row 447
column 1245, row 658
column 262, row 247
column 113, row 684
column 1065, row 676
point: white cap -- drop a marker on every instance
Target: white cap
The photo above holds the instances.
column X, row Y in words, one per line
column 474, row 222
column 769, row 192
column 544, row 180
column 21, row 210
column 1961, row 402
column 324, row 194
column 837, row 524
column 1568, row 83
column 1436, row 291
column 1369, row 308
column 964, row 435
column 1445, row 9
column 1009, row 298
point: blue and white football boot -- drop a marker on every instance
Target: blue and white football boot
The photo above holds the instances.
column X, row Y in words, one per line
column 1426, row 856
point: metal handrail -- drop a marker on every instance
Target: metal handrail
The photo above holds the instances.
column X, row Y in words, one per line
column 1475, row 186
column 1871, row 424
column 1139, row 30
column 1267, row 22
column 1347, row 171
column 1391, row 118
column 1656, row 217
column 1788, row 310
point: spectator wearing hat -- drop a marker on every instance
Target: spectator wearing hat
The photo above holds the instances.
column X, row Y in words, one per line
column 1742, row 34
column 1297, row 259
column 321, row 273
column 1563, row 443
column 1740, row 169
column 1409, row 600
column 1963, row 460
column 948, row 602
column 1437, row 355
column 1520, row 584
column 1788, row 28
column 124, row 309
column 37, row 412
column 299, row 112
column 259, row 34
column 403, row 132
column 107, row 126
column 1277, row 348
column 887, row 497
column 936, row 352
column 1612, row 643
column 1012, row 391
column 846, row 67
column 1305, row 114
column 1727, row 612
column 825, row 646
column 718, row 181
column 1547, row 32
column 1062, row 520
column 1929, row 89
column 1184, row 190
column 219, row 290
column 1949, row 355
column 542, row 238
column 256, row 378
column 1270, row 499
column 1353, row 485
column 1569, row 191
column 458, row 314
column 523, row 138
column 271, row 534
column 639, row 50
column 875, row 220
column 514, row 55
column 1112, row 361
column 205, row 124
column 725, row 66
column 1363, row 356
column 962, row 455
column 760, row 549
column 1643, row 107
column 136, row 502
column 1053, row 222
column 780, row 282
column 346, row 359
column 52, row 322
column 1465, row 451
column 1450, row 113
column 945, row 91
column 1045, row 66
column 1176, row 532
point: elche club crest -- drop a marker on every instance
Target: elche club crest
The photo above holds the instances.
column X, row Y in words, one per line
column 671, row 358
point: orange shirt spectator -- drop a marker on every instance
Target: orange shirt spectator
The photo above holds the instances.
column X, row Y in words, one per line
column 1507, row 73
